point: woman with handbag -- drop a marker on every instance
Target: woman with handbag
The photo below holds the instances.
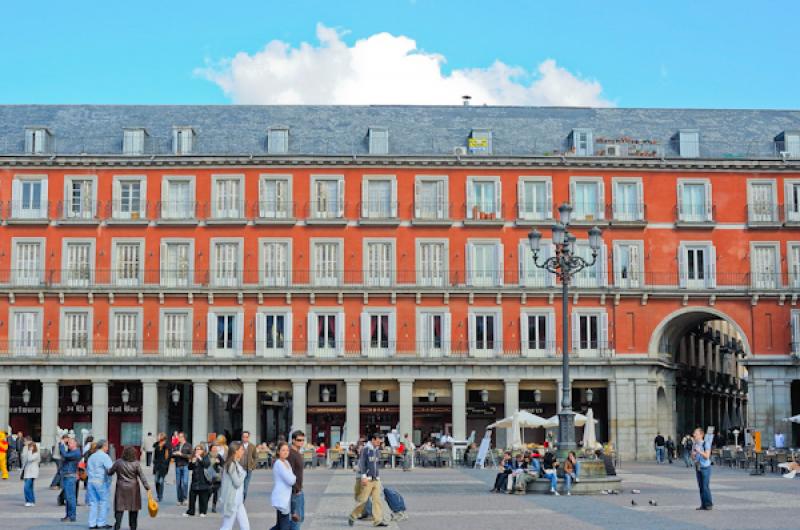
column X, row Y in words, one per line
column 282, row 490
column 161, row 459
column 128, row 495
column 232, row 492
column 200, row 485
column 30, row 471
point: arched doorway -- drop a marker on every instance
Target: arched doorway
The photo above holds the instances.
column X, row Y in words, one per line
column 706, row 346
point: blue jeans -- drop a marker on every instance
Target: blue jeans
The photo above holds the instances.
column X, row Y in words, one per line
column 70, row 501
column 160, row 486
column 182, row 482
column 246, row 484
column 687, row 458
column 703, row 482
column 30, row 496
column 569, row 477
column 659, row 454
column 97, row 499
column 298, row 506
column 553, row 478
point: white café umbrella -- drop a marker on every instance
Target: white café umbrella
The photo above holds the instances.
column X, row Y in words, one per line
column 589, row 437
column 580, row 421
column 516, row 422
column 793, row 419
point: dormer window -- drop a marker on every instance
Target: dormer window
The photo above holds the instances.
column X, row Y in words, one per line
column 378, row 141
column 182, row 140
column 278, row 141
column 133, row 141
column 689, row 143
column 581, row 142
column 38, row 140
column 480, row 142
column 788, row 144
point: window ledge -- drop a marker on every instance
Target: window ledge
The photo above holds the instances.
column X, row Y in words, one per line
column 792, row 223
column 764, row 224
column 589, row 222
column 28, row 221
column 695, row 224
column 484, row 222
column 275, row 220
column 167, row 222
column 387, row 221
column 338, row 221
column 69, row 221
column 128, row 221
column 227, row 221
column 638, row 223
column 431, row 222
column 534, row 222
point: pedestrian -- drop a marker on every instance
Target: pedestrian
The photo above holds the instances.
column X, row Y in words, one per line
column 572, row 471
column 181, row 454
column 30, row 471
column 161, row 451
column 55, row 484
column 283, row 479
column 659, row 444
column 249, row 460
column 232, row 492
column 549, row 466
column 200, row 486
column 149, row 445
column 217, row 463
column 408, row 456
column 701, row 454
column 686, row 444
column 70, row 457
column 370, row 485
column 501, row 479
column 128, row 495
column 98, row 486
column 670, row 446
column 3, row 455
column 298, row 502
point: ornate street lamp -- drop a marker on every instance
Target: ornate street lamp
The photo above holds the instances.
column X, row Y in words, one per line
column 26, row 396
column 75, row 395
column 485, row 396
column 176, row 395
column 564, row 265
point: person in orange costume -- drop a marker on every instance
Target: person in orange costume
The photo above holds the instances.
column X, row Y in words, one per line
column 3, row 454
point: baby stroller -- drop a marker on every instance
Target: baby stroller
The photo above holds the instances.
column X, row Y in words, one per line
column 396, row 504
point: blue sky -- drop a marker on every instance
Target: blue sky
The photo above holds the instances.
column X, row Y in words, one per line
column 675, row 54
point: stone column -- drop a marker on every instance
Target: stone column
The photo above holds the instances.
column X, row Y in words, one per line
column 49, row 412
column 250, row 408
column 782, row 408
column 149, row 408
column 459, row 409
column 199, row 411
column 5, row 403
column 299, row 404
column 512, row 404
column 406, row 407
column 99, row 409
column 353, row 410
column 646, row 417
column 612, row 412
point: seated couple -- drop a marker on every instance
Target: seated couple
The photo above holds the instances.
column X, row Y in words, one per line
column 517, row 473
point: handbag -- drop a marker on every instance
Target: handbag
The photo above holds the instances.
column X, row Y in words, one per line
column 152, row 504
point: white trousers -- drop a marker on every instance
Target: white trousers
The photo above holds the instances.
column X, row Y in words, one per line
column 240, row 516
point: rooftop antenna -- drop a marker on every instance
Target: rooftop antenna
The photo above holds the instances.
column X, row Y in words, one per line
column 465, row 99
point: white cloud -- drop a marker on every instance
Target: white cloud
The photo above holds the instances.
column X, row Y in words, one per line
column 388, row 69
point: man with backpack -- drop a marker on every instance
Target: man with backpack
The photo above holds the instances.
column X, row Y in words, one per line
column 370, row 484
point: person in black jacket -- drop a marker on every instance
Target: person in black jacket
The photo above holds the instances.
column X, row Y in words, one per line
column 161, row 458
column 217, row 462
column 200, row 485
column 501, row 479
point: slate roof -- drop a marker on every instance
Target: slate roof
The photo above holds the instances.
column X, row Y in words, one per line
column 413, row 130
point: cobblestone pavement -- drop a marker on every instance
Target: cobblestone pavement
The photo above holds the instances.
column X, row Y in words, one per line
column 445, row 499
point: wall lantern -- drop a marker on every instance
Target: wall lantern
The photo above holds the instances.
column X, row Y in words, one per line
column 75, row 395
column 326, row 394
column 26, row 396
column 176, row 395
column 485, row 396
column 126, row 396
column 379, row 395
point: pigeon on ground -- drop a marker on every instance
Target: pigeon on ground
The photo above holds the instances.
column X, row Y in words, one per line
column 633, row 502
column 651, row 502
column 636, row 491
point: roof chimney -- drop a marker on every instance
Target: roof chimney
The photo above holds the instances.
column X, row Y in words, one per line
column 465, row 99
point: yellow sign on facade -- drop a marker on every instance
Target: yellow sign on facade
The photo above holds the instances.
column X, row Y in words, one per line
column 478, row 143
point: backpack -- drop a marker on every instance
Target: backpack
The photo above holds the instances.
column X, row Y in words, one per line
column 210, row 473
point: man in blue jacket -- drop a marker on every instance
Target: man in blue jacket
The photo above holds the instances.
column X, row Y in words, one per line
column 370, row 484
column 99, row 486
column 70, row 457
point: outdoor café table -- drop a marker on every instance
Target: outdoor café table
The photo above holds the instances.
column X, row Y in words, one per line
column 758, row 467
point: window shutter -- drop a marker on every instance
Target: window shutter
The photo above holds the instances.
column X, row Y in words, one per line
column 602, row 266
column 238, row 342
column 442, row 208
column 601, row 200
column 795, row 331
column 522, row 207
column 365, row 334
column 470, row 198
column 143, row 198
column 573, row 194
column 471, row 332
column 468, row 259
column 498, row 198
column 549, row 200
column 394, row 198
column 523, row 333
column 392, row 333
column 635, row 273
column 417, row 212
column 603, row 326
column 365, row 198
column 340, row 189
column 501, row 273
column 522, row 264
column 709, row 209
column 211, row 321
column 498, row 333
column 311, row 333
column 617, row 266
column 446, row 334
column 711, row 280
column 680, row 201
column 615, row 198
column 682, row 264
column 576, row 332
column 261, row 333
column 550, row 340
column 422, row 342
column 341, row 342
column 16, row 194
column 639, row 201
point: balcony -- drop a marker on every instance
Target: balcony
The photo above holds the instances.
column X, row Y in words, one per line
column 763, row 215
column 80, row 212
column 27, row 213
column 695, row 216
column 431, row 211
column 378, row 213
column 483, row 214
column 273, row 212
column 326, row 213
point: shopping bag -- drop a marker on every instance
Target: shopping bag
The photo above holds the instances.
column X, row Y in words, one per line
column 152, row 504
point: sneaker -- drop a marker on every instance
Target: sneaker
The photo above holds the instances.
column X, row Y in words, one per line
column 577, row 480
column 381, row 523
column 202, row 515
column 350, row 520
column 28, row 504
column 569, row 494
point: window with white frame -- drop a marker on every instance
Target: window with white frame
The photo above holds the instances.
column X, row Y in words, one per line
column 327, row 256
column 793, row 259
column 582, row 142
column 628, row 264
column 28, row 259
column 480, row 142
column 588, row 198
column 126, row 331
column 327, row 197
column 177, row 259
column 529, row 274
column 227, row 197
column 597, row 274
column 791, row 143
column 76, row 331
column 326, row 332
column 379, row 262
column 128, row 261
column 278, row 141
column 182, row 140
column 762, row 201
column 29, row 198
column 133, row 141
column 26, row 331
column 484, row 198
column 378, row 141
column 537, row 332
column 378, row 197
column 484, row 263
column 694, row 201
column 430, row 197
column 589, row 331
column 485, row 332
column 432, row 262
column 80, row 198
column 791, row 200
column 225, row 333
column 38, row 140
column 276, row 262
column 274, row 332
column 628, row 201
column 535, row 198
column 78, row 263
column 378, row 332
column 275, row 195
column 130, row 194
column 176, row 332
column 177, row 198
column 227, row 260
column 689, row 143
column 795, row 331
column 433, row 332
column 697, row 265
column 765, row 265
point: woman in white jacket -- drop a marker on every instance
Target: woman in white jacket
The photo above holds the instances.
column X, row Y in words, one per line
column 282, row 490
column 232, row 493
column 30, row 471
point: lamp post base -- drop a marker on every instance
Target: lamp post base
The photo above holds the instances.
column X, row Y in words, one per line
column 566, row 432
